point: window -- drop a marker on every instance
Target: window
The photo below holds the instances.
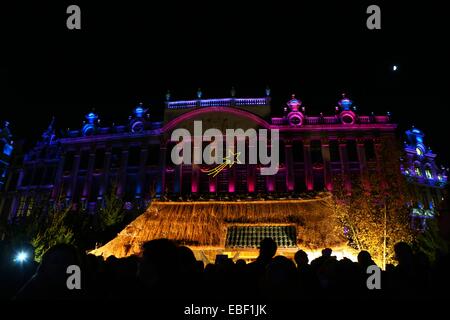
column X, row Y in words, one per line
column 153, row 155
column 21, row 208
column 68, row 162
column 418, row 171
column 334, row 151
column 316, row 152
column 84, row 160
column 115, row 157
column 428, row 173
column 370, row 150
column 134, row 156
column 297, row 151
column 351, row 150
column 49, row 176
column 419, row 151
column 99, row 159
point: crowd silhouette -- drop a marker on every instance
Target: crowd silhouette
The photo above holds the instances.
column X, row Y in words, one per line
column 169, row 271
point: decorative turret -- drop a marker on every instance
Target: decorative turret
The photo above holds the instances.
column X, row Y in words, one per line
column 345, row 103
column 294, row 104
column 415, row 141
column 139, row 111
column 295, row 117
column 90, row 127
column 346, row 115
column 137, row 121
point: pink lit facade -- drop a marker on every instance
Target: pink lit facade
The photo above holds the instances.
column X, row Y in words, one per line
column 313, row 148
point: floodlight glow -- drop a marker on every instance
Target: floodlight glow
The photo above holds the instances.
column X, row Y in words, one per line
column 21, row 257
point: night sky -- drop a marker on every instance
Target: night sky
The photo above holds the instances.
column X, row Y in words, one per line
column 129, row 53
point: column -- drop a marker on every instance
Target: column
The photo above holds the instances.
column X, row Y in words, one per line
column 270, row 179
column 105, row 178
column 161, row 183
column 309, row 181
column 13, row 208
column 195, row 178
column 251, row 170
column 289, row 162
column 33, row 175
column 74, row 176
column 14, row 202
column 232, row 179
column 327, row 174
column 58, row 177
column 379, row 158
column 123, row 172
column 212, row 184
column 177, row 188
column 141, row 174
column 360, row 147
column 378, row 152
column 88, row 182
column 343, row 154
column 20, row 178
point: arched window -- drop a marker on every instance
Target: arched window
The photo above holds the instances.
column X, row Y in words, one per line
column 418, row 171
column 428, row 173
column 419, row 151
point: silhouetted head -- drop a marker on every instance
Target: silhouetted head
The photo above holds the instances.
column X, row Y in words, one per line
column 327, row 252
column 186, row 259
column 280, row 276
column 364, row 258
column 241, row 263
column 268, row 248
column 159, row 261
column 403, row 253
column 301, row 258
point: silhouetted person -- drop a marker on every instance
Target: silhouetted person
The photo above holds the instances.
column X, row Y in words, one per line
column 301, row 259
column 190, row 274
column 308, row 281
column 404, row 276
column 280, row 279
column 256, row 269
column 158, row 269
column 325, row 268
column 326, row 255
column 365, row 260
column 267, row 249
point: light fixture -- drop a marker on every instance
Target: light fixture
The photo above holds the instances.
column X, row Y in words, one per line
column 21, row 257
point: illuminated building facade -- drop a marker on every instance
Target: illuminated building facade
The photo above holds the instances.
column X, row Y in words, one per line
column 82, row 166
column 427, row 179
